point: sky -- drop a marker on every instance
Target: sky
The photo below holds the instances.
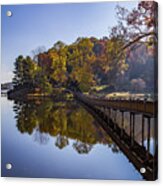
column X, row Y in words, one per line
column 32, row 26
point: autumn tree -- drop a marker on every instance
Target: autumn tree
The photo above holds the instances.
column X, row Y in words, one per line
column 138, row 25
column 58, row 66
column 134, row 28
column 79, row 63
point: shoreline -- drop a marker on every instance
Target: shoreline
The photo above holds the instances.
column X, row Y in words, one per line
column 25, row 94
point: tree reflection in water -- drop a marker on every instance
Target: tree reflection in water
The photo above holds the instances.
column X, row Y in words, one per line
column 41, row 138
column 63, row 120
column 82, row 148
column 61, row 141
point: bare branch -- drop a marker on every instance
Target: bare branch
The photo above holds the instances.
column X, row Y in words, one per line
column 138, row 38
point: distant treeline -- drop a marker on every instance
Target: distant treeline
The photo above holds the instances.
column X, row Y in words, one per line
column 86, row 63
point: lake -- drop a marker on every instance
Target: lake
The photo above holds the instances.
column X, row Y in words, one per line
column 58, row 139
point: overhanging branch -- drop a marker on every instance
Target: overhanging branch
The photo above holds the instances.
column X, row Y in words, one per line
column 137, row 39
column 133, row 42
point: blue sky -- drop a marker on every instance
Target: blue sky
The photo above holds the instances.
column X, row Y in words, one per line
column 32, row 26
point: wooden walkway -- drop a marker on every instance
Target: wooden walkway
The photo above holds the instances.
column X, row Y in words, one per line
column 135, row 152
column 148, row 108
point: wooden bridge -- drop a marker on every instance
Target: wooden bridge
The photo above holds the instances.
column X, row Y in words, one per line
column 148, row 108
column 105, row 112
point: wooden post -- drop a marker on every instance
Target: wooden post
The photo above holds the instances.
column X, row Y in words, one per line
column 148, row 135
column 108, row 114
column 115, row 116
column 133, row 129
column 104, row 115
column 155, row 138
column 122, row 123
column 145, row 100
column 102, row 112
column 130, row 125
column 143, row 130
column 133, row 126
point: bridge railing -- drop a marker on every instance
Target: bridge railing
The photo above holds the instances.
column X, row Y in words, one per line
column 142, row 106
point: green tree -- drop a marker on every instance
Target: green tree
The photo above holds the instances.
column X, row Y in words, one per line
column 59, row 45
column 18, row 71
column 25, row 71
column 29, row 71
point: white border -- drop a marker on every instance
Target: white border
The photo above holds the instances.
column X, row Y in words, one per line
column 56, row 182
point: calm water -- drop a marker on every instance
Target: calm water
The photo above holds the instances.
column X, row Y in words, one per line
column 59, row 140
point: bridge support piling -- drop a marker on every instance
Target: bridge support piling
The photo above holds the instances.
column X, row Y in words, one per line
column 122, row 123
column 115, row 116
column 148, row 135
column 155, row 138
column 133, row 126
column 133, row 129
column 103, row 112
column 143, row 130
column 108, row 114
column 130, row 125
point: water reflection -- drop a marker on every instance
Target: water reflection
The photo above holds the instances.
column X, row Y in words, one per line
column 52, row 139
column 63, row 120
